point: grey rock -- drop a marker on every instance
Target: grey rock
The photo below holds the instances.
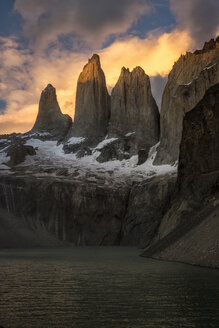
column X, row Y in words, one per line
column 114, row 150
column 187, row 83
column 133, row 108
column 62, row 172
column 71, row 148
column 121, row 148
column 190, row 220
column 142, row 156
column 50, row 118
column 17, row 152
column 147, row 203
column 85, row 151
column 88, row 210
column 81, row 213
column 210, row 45
column 17, row 232
column 92, row 110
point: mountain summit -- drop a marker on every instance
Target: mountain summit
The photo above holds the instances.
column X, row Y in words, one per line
column 50, row 118
column 92, row 108
column 133, row 108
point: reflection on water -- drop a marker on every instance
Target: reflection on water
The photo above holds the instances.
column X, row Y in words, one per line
column 103, row 287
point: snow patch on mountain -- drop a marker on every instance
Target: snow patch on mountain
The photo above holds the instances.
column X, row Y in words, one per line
column 75, row 140
column 105, row 142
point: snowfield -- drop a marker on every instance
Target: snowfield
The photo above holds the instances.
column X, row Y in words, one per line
column 49, row 154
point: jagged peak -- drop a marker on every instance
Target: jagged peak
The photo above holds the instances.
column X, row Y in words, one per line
column 92, row 65
column 208, row 46
column 124, row 70
column 138, row 70
column 49, row 88
column 94, row 59
column 48, row 94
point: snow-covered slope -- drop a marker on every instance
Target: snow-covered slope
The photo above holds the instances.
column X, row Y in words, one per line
column 51, row 155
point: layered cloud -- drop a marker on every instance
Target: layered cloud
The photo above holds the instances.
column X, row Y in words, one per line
column 92, row 21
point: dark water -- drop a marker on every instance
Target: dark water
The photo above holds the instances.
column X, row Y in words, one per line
column 103, row 287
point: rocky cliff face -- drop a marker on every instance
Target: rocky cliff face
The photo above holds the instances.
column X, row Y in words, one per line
column 50, row 118
column 190, row 77
column 133, row 108
column 80, row 212
column 92, row 109
column 189, row 230
column 147, row 203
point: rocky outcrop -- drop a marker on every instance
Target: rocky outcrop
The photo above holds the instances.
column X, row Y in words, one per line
column 18, row 151
column 134, row 110
column 92, row 110
column 192, row 220
column 119, row 148
column 190, row 77
column 210, row 45
column 50, row 118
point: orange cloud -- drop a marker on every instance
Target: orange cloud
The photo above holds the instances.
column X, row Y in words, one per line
column 18, row 121
column 23, row 76
column 155, row 54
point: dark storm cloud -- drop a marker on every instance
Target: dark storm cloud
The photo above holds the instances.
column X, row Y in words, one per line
column 92, row 20
column 199, row 17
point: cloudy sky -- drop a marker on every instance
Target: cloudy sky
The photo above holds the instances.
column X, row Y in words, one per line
column 49, row 41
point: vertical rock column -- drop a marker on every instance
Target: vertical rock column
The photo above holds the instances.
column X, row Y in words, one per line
column 92, row 110
column 133, row 108
column 50, row 118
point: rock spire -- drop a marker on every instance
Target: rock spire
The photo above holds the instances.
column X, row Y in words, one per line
column 92, row 110
column 50, row 118
column 133, row 108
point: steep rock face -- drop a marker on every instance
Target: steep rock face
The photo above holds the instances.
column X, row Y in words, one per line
column 146, row 206
column 69, row 210
column 193, row 217
column 190, row 77
column 200, row 141
column 17, row 232
column 80, row 212
column 50, row 118
column 92, row 110
column 133, row 108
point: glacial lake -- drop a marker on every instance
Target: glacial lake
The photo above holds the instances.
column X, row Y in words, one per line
column 106, row 287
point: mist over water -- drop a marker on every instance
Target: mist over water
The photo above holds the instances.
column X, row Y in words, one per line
column 109, row 287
